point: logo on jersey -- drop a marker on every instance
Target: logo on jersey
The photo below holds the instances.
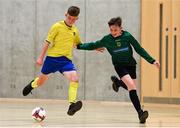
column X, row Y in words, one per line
column 118, row 43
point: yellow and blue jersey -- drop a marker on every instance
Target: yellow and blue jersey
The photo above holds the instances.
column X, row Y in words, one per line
column 62, row 38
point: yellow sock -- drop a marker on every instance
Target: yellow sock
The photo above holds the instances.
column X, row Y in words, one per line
column 34, row 83
column 73, row 87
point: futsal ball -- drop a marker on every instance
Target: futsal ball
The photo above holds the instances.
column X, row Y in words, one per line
column 38, row 114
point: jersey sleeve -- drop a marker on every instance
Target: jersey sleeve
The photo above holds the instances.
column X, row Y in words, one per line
column 52, row 34
column 141, row 51
column 92, row 45
column 77, row 39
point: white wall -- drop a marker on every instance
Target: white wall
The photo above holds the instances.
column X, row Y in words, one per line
column 23, row 27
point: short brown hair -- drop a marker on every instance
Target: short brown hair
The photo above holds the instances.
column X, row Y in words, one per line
column 73, row 11
column 115, row 21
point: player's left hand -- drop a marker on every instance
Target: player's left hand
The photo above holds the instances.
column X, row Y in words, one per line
column 156, row 63
column 100, row 49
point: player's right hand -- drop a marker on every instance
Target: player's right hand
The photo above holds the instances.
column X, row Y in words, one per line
column 39, row 62
column 100, row 49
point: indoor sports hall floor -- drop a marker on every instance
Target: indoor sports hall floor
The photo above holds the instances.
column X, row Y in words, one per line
column 17, row 113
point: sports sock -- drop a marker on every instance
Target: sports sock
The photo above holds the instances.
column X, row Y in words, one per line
column 34, row 83
column 135, row 100
column 73, row 88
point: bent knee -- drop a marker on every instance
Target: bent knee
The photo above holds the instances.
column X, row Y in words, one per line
column 74, row 79
column 131, row 87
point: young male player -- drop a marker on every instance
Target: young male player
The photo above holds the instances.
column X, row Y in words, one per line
column 61, row 39
column 119, row 44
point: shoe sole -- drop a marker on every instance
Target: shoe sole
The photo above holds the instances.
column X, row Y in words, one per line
column 115, row 88
column 76, row 108
column 144, row 117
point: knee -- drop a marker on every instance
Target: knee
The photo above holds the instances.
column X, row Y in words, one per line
column 131, row 86
column 74, row 79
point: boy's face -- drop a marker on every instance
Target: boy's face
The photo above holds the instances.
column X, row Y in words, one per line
column 115, row 30
column 70, row 20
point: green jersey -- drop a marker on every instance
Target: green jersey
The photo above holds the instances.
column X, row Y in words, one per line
column 120, row 48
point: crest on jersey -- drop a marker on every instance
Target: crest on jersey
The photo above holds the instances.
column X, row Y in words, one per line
column 118, row 44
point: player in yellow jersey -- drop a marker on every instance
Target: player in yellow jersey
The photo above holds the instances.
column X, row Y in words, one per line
column 61, row 39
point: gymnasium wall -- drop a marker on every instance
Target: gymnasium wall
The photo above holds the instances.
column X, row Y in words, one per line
column 23, row 27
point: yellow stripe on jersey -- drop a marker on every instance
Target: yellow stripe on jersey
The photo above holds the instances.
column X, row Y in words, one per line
column 62, row 38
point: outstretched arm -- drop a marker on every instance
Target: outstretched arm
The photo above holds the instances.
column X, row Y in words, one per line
column 91, row 45
column 40, row 59
column 49, row 41
column 142, row 52
column 77, row 43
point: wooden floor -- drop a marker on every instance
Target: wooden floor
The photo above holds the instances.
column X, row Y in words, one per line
column 17, row 113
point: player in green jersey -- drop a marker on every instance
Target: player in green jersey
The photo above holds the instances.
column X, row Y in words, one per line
column 119, row 44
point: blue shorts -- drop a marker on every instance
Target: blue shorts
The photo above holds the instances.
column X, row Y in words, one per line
column 53, row 64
